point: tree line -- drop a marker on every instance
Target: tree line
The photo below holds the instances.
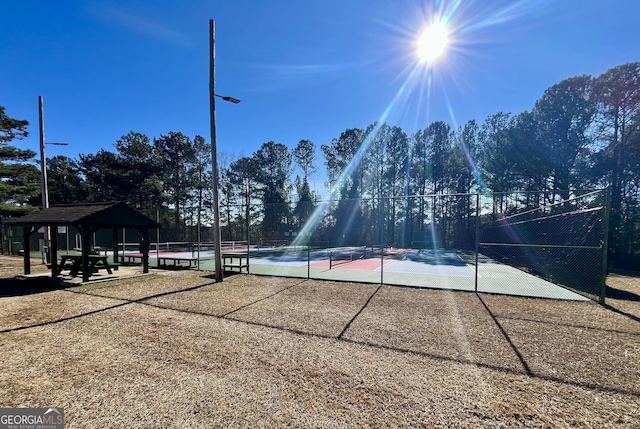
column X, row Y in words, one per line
column 583, row 133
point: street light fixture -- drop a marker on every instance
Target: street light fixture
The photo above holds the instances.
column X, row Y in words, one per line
column 214, row 150
column 227, row 98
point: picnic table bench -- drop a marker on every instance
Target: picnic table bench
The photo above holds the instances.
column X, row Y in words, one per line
column 233, row 260
column 73, row 263
column 163, row 261
column 130, row 258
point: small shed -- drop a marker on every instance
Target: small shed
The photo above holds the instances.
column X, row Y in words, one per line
column 87, row 218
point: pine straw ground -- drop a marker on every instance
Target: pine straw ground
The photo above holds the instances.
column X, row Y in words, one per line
column 176, row 350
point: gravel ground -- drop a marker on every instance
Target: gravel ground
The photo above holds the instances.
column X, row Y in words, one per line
column 175, row 349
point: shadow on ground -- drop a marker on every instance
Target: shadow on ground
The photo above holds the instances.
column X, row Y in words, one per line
column 20, row 286
column 622, row 294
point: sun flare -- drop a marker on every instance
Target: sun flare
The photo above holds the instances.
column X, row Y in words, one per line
column 433, row 42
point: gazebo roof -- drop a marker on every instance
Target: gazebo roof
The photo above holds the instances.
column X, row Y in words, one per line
column 112, row 214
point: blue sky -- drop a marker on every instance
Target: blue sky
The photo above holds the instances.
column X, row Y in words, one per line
column 303, row 69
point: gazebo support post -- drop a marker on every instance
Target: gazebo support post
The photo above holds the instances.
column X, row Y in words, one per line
column 144, row 232
column 86, row 248
column 26, row 233
column 115, row 246
column 53, row 251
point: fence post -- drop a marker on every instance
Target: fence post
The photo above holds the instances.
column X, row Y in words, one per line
column 477, row 237
column 308, row 259
column 381, row 264
column 605, row 245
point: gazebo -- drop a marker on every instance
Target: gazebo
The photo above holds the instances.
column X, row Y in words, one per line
column 87, row 218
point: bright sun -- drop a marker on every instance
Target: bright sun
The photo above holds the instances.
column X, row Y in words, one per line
column 433, row 42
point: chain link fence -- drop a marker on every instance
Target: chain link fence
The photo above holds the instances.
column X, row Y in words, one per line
column 528, row 243
column 562, row 242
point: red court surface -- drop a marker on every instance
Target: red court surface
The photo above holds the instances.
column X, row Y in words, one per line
column 359, row 264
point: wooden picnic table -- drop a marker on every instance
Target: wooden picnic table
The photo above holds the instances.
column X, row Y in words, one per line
column 73, row 263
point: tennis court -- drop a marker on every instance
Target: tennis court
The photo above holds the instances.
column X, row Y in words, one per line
column 519, row 257
column 438, row 269
column 422, row 268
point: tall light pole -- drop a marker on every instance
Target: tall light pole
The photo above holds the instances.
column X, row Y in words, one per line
column 44, row 185
column 43, row 161
column 214, row 150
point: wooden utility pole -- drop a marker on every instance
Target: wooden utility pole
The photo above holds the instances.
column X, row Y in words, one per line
column 43, row 178
column 214, row 154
